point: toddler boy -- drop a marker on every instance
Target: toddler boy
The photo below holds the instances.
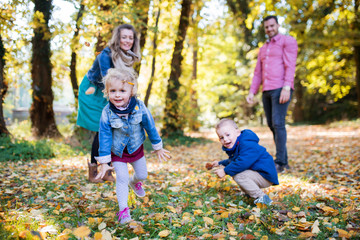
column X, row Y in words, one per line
column 251, row 166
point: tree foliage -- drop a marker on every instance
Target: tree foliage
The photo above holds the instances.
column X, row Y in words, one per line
column 218, row 55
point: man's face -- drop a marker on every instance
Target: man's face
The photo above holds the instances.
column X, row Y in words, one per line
column 271, row 27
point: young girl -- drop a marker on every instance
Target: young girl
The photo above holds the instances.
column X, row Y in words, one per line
column 122, row 52
column 122, row 134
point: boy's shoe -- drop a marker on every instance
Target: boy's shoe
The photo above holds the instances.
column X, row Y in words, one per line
column 138, row 189
column 124, row 216
column 264, row 200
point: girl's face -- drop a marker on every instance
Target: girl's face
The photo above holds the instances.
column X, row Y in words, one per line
column 126, row 39
column 228, row 135
column 119, row 93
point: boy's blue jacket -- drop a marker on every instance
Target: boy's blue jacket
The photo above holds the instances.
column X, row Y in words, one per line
column 248, row 154
column 116, row 132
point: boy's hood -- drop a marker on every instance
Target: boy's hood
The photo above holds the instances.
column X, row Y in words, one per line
column 248, row 135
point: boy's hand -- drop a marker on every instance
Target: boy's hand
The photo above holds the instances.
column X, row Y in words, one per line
column 220, row 172
column 215, row 164
column 162, row 154
column 90, row 90
column 210, row 166
column 104, row 168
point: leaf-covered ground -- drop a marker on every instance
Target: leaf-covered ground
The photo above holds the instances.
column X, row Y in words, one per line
column 318, row 198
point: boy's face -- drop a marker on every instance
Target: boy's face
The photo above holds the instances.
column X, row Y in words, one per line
column 119, row 93
column 227, row 135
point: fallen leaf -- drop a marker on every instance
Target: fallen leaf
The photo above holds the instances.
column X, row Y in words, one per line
column 164, row 233
column 208, row 220
column 82, row 232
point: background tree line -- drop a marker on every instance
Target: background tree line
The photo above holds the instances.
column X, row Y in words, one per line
column 197, row 56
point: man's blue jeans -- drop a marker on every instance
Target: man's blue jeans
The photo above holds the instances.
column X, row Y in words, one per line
column 275, row 116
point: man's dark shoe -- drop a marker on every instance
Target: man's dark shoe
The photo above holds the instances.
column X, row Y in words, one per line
column 281, row 168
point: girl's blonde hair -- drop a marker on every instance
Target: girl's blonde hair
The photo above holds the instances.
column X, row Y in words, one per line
column 128, row 76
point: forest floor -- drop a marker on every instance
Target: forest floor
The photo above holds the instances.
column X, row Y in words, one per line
column 318, row 198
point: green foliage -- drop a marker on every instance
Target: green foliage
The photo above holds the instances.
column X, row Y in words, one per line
column 19, row 147
column 24, row 150
column 177, row 140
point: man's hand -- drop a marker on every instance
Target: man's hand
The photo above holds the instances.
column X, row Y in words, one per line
column 250, row 98
column 284, row 96
column 162, row 154
column 104, row 168
column 220, row 172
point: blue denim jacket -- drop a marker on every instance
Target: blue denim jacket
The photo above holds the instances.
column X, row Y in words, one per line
column 116, row 132
column 100, row 67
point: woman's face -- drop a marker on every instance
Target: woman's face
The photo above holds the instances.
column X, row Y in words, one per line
column 126, row 39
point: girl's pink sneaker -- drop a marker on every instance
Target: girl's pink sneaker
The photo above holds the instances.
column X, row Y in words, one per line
column 124, row 216
column 138, row 189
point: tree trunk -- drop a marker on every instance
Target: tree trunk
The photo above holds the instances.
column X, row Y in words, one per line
column 172, row 121
column 41, row 111
column 194, row 124
column 142, row 7
column 106, row 21
column 75, row 46
column 357, row 75
column 148, row 90
column 3, row 89
column 298, row 113
column 193, row 121
column 356, row 27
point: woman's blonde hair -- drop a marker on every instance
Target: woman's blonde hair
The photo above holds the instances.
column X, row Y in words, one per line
column 118, row 57
column 128, row 76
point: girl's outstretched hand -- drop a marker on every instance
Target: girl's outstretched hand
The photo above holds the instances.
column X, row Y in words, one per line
column 104, row 168
column 162, row 154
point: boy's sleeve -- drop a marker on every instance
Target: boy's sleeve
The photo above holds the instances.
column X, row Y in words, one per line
column 249, row 153
column 105, row 139
column 150, row 128
column 224, row 162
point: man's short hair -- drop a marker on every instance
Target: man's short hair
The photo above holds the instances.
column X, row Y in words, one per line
column 225, row 121
column 270, row 17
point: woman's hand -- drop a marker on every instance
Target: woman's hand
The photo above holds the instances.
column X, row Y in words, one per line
column 90, row 90
column 104, row 168
column 162, row 154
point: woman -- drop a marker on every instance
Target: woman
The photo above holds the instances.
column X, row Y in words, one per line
column 122, row 52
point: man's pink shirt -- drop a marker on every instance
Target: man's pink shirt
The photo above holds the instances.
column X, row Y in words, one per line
column 275, row 67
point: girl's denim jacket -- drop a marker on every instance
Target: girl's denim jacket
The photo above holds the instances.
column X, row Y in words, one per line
column 116, row 132
column 101, row 65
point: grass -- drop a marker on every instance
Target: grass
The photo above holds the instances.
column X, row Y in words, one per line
column 53, row 199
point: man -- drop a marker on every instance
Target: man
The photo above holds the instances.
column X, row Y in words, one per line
column 275, row 70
